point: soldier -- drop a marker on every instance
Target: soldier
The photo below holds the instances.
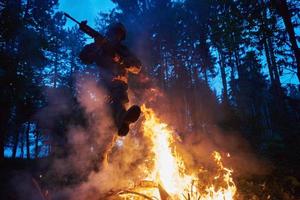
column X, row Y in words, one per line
column 115, row 61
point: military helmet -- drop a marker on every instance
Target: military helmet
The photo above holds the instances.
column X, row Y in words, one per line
column 117, row 28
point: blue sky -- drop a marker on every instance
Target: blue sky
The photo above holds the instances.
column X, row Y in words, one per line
column 85, row 10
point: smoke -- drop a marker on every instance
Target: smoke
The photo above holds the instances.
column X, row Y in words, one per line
column 126, row 165
column 58, row 103
column 236, row 153
column 88, row 146
column 84, row 165
column 124, row 169
column 197, row 143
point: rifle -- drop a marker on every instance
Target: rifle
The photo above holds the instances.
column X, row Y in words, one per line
column 87, row 29
column 100, row 39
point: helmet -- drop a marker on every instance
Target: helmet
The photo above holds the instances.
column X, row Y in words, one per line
column 117, row 29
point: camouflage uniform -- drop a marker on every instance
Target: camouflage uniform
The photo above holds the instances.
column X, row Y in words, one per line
column 114, row 66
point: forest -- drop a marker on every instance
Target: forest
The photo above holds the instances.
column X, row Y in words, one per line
column 224, row 70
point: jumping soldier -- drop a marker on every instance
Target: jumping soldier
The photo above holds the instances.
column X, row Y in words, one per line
column 115, row 61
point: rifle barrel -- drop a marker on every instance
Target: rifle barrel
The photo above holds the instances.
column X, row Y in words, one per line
column 69, row 16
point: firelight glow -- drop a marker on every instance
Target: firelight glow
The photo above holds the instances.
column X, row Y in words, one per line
column 169, row 171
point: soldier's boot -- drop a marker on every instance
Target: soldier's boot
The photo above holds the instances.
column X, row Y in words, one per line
column 131, row 116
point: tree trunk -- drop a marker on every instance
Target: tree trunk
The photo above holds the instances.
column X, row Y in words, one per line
column 269, row 64
column 195, row 98
column 16, row 142
column 265, row 40
column 205, row 76
column 2, row 138
column 274, row 64
column 36, row 142
column 22, row 143
column 232, row 71
column 4, row 116
column 55, row 78
column 223, row 77
column 283, row 10
column 28, row 140
column 237, row 62
column 2, row 141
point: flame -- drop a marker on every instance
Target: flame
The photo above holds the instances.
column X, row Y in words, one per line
column 169, row 170
column 224, row 173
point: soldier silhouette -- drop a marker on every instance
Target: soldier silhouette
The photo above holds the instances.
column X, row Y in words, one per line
column 115, row 61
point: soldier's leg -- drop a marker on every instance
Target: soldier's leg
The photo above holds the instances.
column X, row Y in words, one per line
column 122, row 116
column 130, row 116
column 119, row 99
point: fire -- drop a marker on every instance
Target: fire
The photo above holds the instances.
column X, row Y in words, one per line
column 226, row 192
column 168, row 171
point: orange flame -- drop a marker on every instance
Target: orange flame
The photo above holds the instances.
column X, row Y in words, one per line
column 169, row 169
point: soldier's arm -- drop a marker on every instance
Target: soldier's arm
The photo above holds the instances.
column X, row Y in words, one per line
column 88, row 54
column 130, row 61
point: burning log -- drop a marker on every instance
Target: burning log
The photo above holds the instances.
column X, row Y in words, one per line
column 163, row 193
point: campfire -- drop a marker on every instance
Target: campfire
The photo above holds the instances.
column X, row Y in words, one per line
column 168, row 177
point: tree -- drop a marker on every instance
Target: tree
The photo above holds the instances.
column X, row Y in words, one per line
column 24, row 23
column 282, row 8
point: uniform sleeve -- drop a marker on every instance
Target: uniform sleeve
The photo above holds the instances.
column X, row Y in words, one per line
column 88, row 53
column 130, row 61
